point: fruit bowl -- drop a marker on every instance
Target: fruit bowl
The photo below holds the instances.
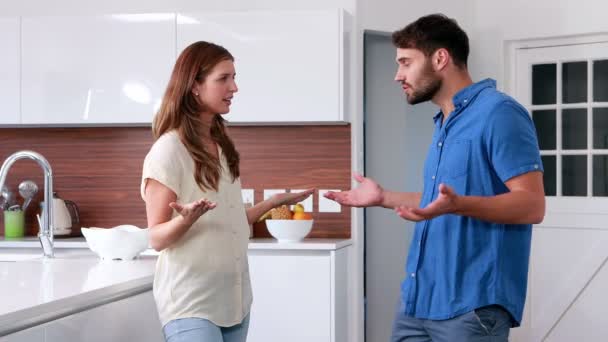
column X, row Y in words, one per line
column 122, row 242
column 289, row 230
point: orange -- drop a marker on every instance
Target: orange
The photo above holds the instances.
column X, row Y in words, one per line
column 302, row 216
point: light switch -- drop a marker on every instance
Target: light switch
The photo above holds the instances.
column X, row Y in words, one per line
column 327, row 205
column 247, row 196
column 307, row 203
column 269, row 192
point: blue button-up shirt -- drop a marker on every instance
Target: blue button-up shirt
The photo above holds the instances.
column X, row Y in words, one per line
column 457, row 263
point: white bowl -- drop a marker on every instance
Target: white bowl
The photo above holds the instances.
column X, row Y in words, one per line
column 289, row 230
column 122, row 242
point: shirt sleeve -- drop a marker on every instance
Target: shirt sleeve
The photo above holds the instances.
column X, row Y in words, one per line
column 162, row 165
column 511, row 141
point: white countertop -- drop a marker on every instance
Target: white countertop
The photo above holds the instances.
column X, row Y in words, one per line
column 34, row 290
column 306, row 244
column 39, row 290
column 33, row 242
column 254, row 244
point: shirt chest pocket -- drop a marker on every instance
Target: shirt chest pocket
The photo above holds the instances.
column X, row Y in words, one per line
column 455, row 158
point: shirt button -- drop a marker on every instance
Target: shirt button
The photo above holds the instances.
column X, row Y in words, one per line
column 433, row 177
column 440, row 144
column 413, row 275
column 536, row 166
column 465, row 101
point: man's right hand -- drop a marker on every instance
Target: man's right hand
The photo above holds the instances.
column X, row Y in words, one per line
column 368, row 194
column 192, row 211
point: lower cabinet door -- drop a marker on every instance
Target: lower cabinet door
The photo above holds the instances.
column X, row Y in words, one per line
column 35, row 334
column 128, row 320
column 291, row 297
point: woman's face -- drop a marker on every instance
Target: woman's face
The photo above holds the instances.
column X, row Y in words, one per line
column 218, row 88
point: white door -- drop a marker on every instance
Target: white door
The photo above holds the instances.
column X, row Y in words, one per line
column 396, row 139
column 565, row 88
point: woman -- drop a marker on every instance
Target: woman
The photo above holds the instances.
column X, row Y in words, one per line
column 195, row 212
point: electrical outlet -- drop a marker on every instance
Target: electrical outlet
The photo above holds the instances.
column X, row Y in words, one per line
column 269, row 192
column 307, row 203
column 247, row 196
column 326, row 205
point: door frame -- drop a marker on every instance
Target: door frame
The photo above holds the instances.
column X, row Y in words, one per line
column 577, row 215
column 512, row 46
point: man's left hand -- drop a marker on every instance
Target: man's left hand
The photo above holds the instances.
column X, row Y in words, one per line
column 444, row 204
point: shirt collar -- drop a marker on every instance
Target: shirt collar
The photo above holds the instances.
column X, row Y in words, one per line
column 465, row 95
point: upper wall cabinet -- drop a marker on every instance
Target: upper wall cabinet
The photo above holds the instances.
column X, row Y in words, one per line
column 290, row 65
column 9, row 71
column 103, row 69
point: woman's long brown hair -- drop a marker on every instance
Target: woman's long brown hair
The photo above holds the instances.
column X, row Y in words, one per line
column 180, row 111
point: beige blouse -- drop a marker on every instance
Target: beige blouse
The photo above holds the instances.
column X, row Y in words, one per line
column 204, row 274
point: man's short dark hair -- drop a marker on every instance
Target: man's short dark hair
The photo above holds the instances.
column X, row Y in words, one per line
column 433, row 32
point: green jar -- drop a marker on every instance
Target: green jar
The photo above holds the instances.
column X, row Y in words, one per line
column 14, row 224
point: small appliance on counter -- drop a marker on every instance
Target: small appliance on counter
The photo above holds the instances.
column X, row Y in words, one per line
column 65, row 215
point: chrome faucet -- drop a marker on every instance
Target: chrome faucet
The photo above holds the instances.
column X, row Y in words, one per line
column 45, row 235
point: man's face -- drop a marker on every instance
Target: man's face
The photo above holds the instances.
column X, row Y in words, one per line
column 415, row 72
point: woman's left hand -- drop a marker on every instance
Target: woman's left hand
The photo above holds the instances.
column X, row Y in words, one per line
column 291, row 198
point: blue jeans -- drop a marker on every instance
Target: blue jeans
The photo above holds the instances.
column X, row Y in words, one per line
column 486, row 324
column 202, row 330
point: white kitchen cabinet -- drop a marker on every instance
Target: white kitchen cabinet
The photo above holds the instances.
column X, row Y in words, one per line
column 131, row 319
column 298, row 296
column 9, row 71
column 98, row 69
column 291, row 65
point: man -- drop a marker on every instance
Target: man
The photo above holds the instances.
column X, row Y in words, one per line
column 467, row 267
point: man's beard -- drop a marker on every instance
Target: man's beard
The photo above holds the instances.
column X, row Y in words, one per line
column 429, row 86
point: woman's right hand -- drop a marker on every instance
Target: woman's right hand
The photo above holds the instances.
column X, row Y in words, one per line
column 192, row 211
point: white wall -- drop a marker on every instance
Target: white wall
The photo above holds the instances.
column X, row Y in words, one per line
column 390, row 15
column 495, row 21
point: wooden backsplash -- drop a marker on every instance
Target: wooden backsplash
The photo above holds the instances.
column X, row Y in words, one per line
column 100, row 169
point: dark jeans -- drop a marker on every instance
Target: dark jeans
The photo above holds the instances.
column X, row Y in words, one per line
column 486, row 324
